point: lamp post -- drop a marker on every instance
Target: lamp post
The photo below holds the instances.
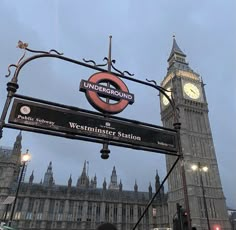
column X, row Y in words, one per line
column 201, row 169
column 24, row 159
column 177, row 126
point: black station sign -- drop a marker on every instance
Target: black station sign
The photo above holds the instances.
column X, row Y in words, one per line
column 47, row 117
column 106, row 85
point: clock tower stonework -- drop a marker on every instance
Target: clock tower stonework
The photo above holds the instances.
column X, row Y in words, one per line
column 205, row 193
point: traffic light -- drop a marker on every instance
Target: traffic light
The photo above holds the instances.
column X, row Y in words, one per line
column 216, row 227
column 184, row 218
column 181, row 220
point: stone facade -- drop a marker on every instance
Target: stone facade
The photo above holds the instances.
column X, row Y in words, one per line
column 46, row 205
column 187, row 90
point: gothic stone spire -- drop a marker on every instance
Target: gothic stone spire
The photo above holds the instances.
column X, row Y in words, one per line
column 31, row 179
column 83, row 180
column 177, row 57
column 17, row 145
column 48, row 176
column 70, row 182
column 113, row 183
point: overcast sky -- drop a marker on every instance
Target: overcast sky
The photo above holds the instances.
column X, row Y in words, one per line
column 142, row 40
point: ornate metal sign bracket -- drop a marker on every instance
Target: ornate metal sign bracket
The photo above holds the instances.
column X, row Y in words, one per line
column 78, row 133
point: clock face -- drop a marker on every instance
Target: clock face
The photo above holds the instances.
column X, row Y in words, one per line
column 165, row 101
column 192, row 91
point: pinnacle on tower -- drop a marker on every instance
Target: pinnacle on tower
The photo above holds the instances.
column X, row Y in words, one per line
column 49, row 166
column 19, row 136
column 48, row 176
column 176, row 50
column 120, row 186
column 150, row 190
column 83, row 180
column 84, row 168
column 113, row 183
column 17, row 145
column 176, row 58
column 31, row 179
column 135, row 186
column 16, row 156
column 157, row 181
column 104, row 184
column 150, row 187
column 70, row 181
column 95, row 181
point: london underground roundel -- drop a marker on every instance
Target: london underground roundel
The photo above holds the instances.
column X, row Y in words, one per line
column 107, row 93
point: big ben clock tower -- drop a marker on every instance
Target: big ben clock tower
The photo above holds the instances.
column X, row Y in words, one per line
column 205, row 195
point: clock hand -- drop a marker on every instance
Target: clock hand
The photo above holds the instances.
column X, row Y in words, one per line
column 193, row 91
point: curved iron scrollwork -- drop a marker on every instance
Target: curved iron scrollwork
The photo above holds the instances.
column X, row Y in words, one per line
column 9, row 69
column 95, row 64
column 120, row 72
column 24, row 46
column 106, row 64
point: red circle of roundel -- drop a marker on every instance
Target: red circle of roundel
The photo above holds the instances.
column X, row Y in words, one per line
column 97, row 102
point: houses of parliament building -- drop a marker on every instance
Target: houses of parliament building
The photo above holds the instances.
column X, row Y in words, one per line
column 84, row 205
column 46, row 205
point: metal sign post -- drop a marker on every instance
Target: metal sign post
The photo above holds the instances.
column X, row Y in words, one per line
column 36, row 115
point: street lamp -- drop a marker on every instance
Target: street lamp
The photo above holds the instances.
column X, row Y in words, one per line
column 201, row 169
column 24, row 159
